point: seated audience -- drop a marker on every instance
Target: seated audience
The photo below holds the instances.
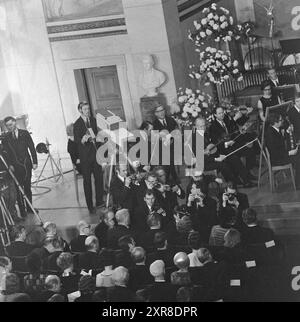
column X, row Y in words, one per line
column 120, row 292
column 106, row 222
column 146, row 239
column 139, row 275
column 90, row 259
column 194, row 241
column 123, row 256
column 69, row 278
column 162, row 251
column 11, row 290
column 34, row 282
column 51, row 245
column 104, row 279
column 58, row 244
column 227, row 220
column 51, row 230
column 160, row 291
column 252, row 233
column 182, row 276
column 18, row 247
column 86, row 286
column 78, row 243
column 52, row 287
column 120, row 229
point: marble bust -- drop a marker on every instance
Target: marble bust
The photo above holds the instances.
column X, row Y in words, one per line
column 150, row 79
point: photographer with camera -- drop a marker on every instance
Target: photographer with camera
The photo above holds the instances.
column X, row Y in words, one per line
column 122, row 188
column 233, row 202
column 148, row 183
column 203, row 210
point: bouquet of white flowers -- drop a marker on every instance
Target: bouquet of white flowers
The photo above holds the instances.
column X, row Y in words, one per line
column 216, row 23
column 192, row 104
column 216, row 66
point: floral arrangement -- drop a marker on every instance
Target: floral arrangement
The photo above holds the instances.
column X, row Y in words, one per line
column 215, row 67
column 216, row 24
column 192, row 104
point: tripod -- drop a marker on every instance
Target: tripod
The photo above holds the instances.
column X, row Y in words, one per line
column 53, row 164
column 19, row 187
column 7, row 221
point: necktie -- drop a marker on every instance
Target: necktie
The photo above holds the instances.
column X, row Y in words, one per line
column 224, row 126
column 14, row 135
column 164, row 123
column 88, row 123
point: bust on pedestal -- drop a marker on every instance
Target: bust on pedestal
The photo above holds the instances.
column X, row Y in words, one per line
column 150, row 80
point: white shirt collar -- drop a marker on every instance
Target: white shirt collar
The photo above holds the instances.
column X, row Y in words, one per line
column 278, row 130
column 121, row 178
column 162, row 121
column 297, row 109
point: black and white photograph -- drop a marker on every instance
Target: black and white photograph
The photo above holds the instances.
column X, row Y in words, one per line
column 149, row 154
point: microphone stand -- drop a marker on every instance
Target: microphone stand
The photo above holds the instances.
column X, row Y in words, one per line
column 20, row 188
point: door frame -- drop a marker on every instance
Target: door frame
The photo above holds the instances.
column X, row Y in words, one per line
column 91, row 62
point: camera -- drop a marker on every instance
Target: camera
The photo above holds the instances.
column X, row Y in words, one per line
column 230, row 196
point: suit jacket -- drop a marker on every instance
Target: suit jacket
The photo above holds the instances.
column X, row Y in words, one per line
column 18, row 149
column 51, row 261
column 115, row 233
column 168, row 203
column 165, row 255
column 19, row 248
column 120, row 294
column 139, row 277
column 217, row 133
column 294, row 118
column 78, row 244
column 162, row 292
column 276, row 144
column 256, row 235
column 86, row 151
column 171, row 124
column 90, row 260
column 122, row 195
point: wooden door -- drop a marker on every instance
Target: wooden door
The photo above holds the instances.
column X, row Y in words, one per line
column 104, row 91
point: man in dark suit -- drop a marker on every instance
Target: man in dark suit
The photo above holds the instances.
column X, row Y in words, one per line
column 222, row 133
column 16, row 144
column 121, row 188
column 120, row 229
column 19, row 247
column 160, row 290
column 148, row 208
column 294, row 117
column 120, row 292
column 149, row 183
column 276, row 139
column 165, row 125
column 139, row 275
column 276, row 80
column 253, row 233
column 90, row 259
column 85, row 132
column 77, row 244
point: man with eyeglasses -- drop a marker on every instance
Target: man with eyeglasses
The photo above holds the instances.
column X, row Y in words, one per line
column 277, row 142
column 85, row 133
column 165, row 125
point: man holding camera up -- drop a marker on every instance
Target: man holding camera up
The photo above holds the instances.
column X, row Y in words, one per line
column 121, row 187
column 203, row 209
column 85, row 132
column 233, row 202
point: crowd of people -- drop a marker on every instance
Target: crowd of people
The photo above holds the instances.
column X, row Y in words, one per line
column 161, row 241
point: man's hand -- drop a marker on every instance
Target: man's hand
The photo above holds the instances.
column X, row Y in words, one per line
column 190, row 200
column 34, row 166
column 85, row 138
column 220, row 158
column 127, row 182
column 293, row 152
column 229, row 143
column 238, row 115
column 219, row 180
column 175, row 188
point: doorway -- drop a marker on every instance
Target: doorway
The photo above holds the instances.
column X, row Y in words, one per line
column 101, row 88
